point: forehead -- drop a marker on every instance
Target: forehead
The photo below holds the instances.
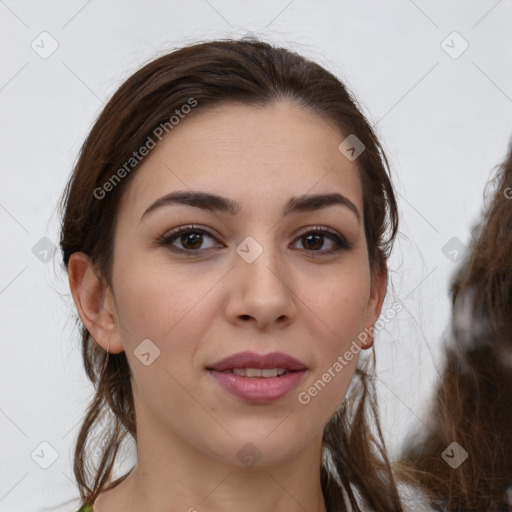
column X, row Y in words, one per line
column 260, row 153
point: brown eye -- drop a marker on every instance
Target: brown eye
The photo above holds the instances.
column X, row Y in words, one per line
column 314, row 240
column 190, row 239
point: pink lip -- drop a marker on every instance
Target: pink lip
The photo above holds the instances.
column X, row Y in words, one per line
column 254, row 360
column 259, row 390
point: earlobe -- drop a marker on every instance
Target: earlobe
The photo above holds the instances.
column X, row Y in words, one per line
column 92, row 300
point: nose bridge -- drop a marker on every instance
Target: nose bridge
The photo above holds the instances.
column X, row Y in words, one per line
column 261, row 262
column 262, row 280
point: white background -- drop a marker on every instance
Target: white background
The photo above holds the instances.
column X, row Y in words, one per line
column 445, row 123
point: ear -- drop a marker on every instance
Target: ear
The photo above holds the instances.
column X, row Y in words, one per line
column 377, row 295
column 94, row 302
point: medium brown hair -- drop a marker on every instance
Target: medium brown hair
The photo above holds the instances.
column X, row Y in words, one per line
column 252, row 72
column 472, row 400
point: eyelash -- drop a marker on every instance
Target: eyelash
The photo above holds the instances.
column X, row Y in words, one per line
column 340, row 242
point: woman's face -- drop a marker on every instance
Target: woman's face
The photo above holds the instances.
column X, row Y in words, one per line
column 251, row 281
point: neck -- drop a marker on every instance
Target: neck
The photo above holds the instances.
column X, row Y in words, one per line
column 172, row 475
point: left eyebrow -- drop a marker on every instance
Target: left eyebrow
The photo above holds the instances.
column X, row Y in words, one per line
column 213, row 202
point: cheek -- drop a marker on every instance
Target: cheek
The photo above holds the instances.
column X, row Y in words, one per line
column 339, row 311
column 340, row 304
column 168, row 307
column 157, row 301
column 174, row 308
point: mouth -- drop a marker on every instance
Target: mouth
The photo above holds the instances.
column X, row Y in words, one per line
column 258, row 378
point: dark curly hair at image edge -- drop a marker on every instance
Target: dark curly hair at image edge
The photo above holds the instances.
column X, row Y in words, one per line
column 355, row 466
column 472, row 400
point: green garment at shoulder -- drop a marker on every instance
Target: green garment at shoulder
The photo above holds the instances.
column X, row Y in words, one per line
column 86, row 508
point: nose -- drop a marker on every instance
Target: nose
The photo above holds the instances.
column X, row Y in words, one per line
column 261, row 293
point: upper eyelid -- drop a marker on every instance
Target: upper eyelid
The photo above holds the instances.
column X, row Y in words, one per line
column 213, row 233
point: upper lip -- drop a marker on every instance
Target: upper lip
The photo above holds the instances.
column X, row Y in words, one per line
column 255, row 360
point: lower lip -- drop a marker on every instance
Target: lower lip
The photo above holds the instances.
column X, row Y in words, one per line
column 260, row 390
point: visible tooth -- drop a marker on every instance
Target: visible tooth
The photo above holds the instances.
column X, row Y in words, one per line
column 257, row 372
column 253, row 372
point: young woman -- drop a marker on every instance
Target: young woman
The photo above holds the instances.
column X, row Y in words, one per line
column 226, row 231
column 472, row 403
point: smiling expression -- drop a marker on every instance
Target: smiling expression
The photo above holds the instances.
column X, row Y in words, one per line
column 273, row 179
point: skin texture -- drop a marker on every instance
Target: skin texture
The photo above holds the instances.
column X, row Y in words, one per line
column 200, row 309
